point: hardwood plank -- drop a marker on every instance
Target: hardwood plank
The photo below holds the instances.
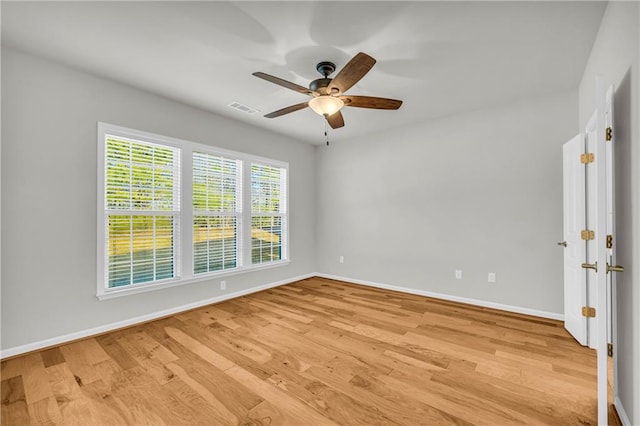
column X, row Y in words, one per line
column 149, row 354
column 237, row 398
column 77, row 360
column 148, row 401
column 105, row 408
column 454, row 402
column 110, row 345
column 52, row 356
column 45, row 412
column 72, row 404
column 12, row 367
column 314, row 352
column 337, row 406
column 199, row 349
column 221, row 413
column 369, row 392
column 296, row 412
column 35, row 379
column 544, row 408
column 14, row 403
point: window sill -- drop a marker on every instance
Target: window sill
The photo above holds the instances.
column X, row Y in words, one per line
column 143, row 288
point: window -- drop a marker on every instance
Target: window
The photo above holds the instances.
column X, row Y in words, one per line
column 237, row 220
column 217, row 206
column 268, row 212
column 142, row 208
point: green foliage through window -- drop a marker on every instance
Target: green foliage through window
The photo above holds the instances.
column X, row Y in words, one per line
column 141, row 200
column 268, row 184
column 217, row 204
column 235, row 219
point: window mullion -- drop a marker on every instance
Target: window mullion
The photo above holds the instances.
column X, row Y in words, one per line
column 246, row 214
column 139, row 204
column 186, row 217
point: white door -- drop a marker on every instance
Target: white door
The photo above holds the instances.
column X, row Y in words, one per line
column 611, row 235
column 600, row 256
column 591, row 178
column 594, row 202
column 574, row 219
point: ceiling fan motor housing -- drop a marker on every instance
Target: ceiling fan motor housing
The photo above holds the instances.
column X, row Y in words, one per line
column 320, row 84
column 325, row 68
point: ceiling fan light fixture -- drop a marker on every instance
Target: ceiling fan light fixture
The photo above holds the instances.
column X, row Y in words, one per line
column 326, row 105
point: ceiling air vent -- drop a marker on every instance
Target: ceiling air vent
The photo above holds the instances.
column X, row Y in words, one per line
column 243, row 108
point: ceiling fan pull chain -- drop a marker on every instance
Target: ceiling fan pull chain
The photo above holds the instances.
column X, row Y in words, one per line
column 326, row 132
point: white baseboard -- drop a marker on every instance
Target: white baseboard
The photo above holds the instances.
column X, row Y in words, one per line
column 621, row 413
column 483, row 303
column 18, row 350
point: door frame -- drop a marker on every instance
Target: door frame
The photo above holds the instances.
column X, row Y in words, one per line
column 601, row 255
column 611, row 230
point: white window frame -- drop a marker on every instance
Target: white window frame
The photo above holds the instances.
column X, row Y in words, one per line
column 283, row 213
column 237, row 214
column 184, row 258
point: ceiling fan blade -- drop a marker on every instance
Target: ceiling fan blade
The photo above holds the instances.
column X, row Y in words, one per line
column 335, row 120
column 351, row 73
column 284, row 83
column 370, row 102
column 287, row 110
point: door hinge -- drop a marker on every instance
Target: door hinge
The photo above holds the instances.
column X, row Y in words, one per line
column 588, row 312
column 609, row 241
column 609, row 349
column 587, row 158
column 608, row 134
column 586, row 235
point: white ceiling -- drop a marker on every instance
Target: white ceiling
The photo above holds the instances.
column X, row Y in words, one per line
column 440, row 58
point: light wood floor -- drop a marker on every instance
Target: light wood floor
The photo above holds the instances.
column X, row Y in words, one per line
column 316, row 352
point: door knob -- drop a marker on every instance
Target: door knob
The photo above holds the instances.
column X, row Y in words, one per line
column 614, row 268
column 562, row 243
column 593, row 266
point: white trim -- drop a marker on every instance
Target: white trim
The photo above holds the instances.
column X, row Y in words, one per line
column 142, row 287
column 476, row 302
column 53, row 341
column 621, row 413
column 18, row 350
column 183, row 249
column 283, row 214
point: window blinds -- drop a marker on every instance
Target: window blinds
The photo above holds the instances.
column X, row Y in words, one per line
column 268, row 213
column 142, row 207
column 217, row 208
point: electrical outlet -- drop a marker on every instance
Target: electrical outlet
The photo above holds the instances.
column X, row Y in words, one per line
column 492, row 277
column 341, row 259
column 458, row 274
column 223, row 285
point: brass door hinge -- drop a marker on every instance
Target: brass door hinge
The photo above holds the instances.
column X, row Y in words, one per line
column 609, row 241
column 587, row 158
column 588, row 312
column 609, row 349
column 586, row 235
column 608, row 134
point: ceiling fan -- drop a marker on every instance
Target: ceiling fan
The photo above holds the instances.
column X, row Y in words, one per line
column 328, row 93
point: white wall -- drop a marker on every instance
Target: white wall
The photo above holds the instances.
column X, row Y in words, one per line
column 615, row 58
column 49, row 116
column 481, row 192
